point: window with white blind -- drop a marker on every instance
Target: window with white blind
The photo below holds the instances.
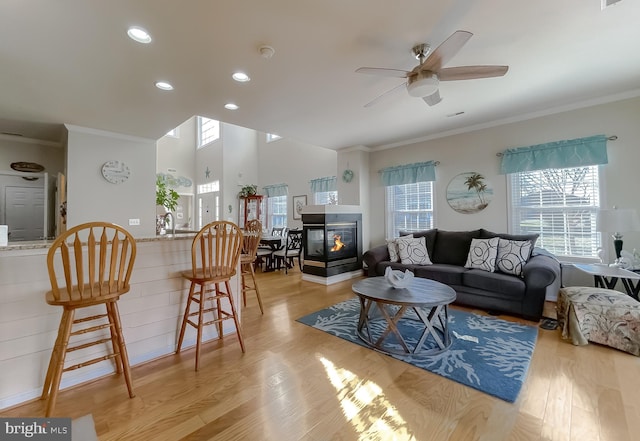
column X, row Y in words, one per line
column 208, row 131
column 409, row 207
column 326, row 197
column 275, row 216
column 561, row 206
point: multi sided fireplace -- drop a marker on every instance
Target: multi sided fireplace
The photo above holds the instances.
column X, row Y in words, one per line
column 332, row 240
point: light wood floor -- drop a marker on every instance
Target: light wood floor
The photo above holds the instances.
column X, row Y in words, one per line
column 298, row 383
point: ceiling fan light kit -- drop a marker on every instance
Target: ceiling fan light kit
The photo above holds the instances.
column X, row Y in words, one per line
column 423, row 84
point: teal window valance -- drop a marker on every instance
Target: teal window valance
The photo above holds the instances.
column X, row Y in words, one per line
column 329, row 183
column 276, row 190
column 409, row 173
column 560, row 154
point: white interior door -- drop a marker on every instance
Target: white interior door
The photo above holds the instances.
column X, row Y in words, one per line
column 24, row 209
column 208, row 208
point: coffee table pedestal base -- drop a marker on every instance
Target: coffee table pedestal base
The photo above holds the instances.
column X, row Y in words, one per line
column 434, row 321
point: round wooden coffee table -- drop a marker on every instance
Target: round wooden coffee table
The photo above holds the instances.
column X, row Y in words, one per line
column 427, row 298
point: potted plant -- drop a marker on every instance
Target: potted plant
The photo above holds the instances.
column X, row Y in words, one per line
column 165, row 197
column 248, row 190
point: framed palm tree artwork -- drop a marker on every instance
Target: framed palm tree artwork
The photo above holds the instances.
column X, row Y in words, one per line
column 469, row 193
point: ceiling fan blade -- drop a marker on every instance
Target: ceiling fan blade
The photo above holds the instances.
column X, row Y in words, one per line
column 384, row 95
column 393, row 73
column 433, row 99
column 471, row 72
column 446, row 51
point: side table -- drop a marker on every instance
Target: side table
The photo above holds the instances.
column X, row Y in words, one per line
column 605, row 276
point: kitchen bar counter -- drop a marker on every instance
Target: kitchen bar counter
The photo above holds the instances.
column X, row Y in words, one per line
column 44, row 244
column 151, row 313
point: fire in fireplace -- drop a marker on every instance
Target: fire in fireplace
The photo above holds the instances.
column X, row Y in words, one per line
column 337, row 243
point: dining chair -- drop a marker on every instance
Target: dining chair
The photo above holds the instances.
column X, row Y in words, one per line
column 280, row 232
column 266, row 248
column 252, row 233
column 89, row 265
column 292, row 249
column 215, row 253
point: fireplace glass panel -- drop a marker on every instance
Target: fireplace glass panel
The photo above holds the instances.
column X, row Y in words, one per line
column 315, row 243
column 341, row 241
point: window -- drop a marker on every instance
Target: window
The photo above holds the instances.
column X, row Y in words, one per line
column 272, row 137
column 174, row 133
column 208, row 131
column 209, row 187
column 409, row 207
column 276, row 213
column 560, row 205
column 326, row 197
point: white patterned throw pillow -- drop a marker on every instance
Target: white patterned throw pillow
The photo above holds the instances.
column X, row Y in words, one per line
column 483, row 254
column 413, row 250
column 392, row 246
column 512, row 255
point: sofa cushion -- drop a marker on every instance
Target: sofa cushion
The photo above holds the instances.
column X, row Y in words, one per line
column 513, row 255
column 429, row 235
column 482, row 254
column 413, row 250
column 392, row 246
column 447, row 274
column 486, row 234
column 496, row 284
column 452, row 247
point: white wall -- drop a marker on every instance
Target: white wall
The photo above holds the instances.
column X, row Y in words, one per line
column 51, row 158
column 287, row 161
column 356, row 192
column 179, row 154
column 240, row 156
column 476, row 151
column 90, row 197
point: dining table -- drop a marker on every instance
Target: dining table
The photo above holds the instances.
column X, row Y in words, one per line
column 274, row 243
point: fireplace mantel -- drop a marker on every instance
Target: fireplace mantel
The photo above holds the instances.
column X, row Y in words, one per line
column 331, row 209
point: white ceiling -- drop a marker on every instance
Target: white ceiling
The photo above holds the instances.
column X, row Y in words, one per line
column 71, row 62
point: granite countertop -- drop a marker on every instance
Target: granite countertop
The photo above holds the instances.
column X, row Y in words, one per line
column 43, row 244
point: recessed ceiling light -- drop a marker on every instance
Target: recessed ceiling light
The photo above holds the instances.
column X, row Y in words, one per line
column 138, row 34
column 164, row 85
column 231, row 106
column 241, row 77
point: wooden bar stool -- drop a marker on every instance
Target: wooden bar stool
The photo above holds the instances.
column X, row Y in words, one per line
column 94, row 262
column 215, row 252
column 252, row 234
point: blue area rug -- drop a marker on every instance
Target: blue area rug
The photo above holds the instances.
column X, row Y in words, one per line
column 487, row 353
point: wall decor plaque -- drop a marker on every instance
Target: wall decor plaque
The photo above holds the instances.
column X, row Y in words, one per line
column 469, row 193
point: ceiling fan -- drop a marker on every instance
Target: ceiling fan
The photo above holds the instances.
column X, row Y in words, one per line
column 423, row 80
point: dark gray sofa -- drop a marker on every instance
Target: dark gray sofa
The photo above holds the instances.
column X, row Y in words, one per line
column 495, row 292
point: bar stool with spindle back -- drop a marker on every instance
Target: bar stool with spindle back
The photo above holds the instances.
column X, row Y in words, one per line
column 252, row 234
column 215, row 253
column 94, row 261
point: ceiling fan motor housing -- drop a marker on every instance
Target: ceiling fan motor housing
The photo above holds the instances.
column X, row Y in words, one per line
column 423, row 84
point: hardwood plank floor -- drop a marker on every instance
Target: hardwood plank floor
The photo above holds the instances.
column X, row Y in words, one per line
column 297, row 383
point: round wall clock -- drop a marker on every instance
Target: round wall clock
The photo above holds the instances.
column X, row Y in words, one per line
column 347, row 175
column 115, row 172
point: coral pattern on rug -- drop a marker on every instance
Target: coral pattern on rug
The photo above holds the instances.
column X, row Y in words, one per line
column 487, row 353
